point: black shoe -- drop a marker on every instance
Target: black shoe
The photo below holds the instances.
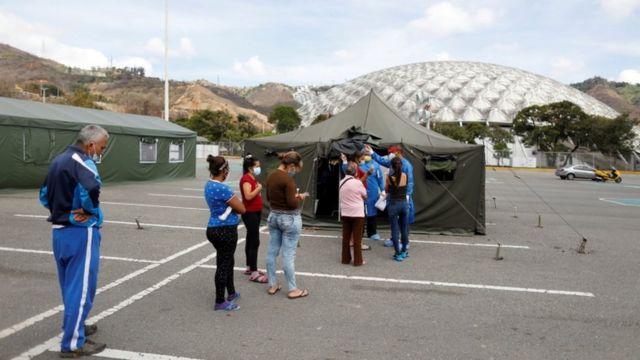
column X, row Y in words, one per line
column 90, row 329
column 88, row 349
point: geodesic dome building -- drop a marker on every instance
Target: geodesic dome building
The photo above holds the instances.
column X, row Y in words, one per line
column 457, row 91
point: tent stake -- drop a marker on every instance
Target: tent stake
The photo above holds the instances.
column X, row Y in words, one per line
column 515, row 212
column 495, row 206
column 540, row 221
column 498, row 257
column 582, row 247
column 138, row 223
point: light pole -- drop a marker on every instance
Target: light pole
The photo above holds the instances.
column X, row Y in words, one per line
column 166, row 57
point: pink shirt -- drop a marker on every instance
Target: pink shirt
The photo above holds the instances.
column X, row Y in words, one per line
column 352, row 194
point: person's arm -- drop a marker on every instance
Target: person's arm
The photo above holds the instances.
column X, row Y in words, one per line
column 379, row 177
column 88, row 178
column 380, row 159
column 386, row 184
column 44, row 199
column 363, row 192
column 236, row 204
column 248, row 194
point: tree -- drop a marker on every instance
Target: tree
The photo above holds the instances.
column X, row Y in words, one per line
column 550, row 126
column 285, row 117
column 320, row 118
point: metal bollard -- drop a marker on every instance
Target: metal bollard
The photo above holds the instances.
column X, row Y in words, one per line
column 498, row 257
column 495, row 206
column 515, row 212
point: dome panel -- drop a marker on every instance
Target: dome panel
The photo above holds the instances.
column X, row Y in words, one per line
column 459, row 91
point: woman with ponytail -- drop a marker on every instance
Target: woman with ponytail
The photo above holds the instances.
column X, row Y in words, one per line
column 250, row 189
column 222, row 230
column 285, row 223
column 398, row 208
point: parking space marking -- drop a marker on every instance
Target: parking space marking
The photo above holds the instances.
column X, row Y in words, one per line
column 132, row 223
column 623, row 202
column 153, row 206
column 178, row 196
column 453, row 243
column 31, row 251
column 46, row 314
column 433, row 283
column 53, row 343
column 131, row 355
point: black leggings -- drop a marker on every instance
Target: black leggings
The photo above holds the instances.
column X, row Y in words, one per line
column 371, row 226
column 252, row 223
column 224, row 240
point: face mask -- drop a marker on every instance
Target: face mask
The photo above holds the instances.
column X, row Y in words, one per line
column 367, row 158
column 291, row 172
column 257, row 171
column 391, row 156
column 361, row 162
column 95, row 157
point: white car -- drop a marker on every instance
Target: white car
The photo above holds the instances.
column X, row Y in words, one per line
column 571, row 172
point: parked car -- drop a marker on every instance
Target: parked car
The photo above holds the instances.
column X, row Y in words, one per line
column 571, row 172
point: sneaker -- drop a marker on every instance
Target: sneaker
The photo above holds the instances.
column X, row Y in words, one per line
column 375, row 237
column 398, row 257
column 388, row 243
column 89, row 348
column 404, row 254
column 226, row 306
column 90, row 329
column 233, row 297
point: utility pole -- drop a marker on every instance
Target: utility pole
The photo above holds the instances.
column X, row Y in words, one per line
column 166, row 59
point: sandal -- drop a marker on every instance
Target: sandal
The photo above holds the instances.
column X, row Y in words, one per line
column 274, row 290
column 247, row 272
column 260, row 278
column 303, row 293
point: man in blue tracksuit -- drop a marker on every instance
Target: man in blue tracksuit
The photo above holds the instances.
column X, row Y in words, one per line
column 70, row 192
column 375, row 185
column 406, row 168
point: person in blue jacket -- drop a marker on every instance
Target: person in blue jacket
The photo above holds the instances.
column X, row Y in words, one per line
column 71, row 193
column 375, row 185
column 406, row 168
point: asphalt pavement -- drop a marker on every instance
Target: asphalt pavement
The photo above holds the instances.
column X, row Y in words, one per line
column 451, row 299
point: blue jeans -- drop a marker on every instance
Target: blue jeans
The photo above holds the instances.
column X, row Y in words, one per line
column 398, row 211
column 284, row 231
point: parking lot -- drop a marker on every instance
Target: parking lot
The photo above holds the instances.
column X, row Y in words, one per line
column 450, row 300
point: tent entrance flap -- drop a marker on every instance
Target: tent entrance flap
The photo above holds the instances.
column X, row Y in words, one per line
column 327, row 188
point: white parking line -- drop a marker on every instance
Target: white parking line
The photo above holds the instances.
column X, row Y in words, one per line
column 31, row 251
column 53, row 343
column 153, row 206
column 425, row 242
column 434, row 283
column 178, row 196
column 132, row 223
column 44, row 315
column 131, row 355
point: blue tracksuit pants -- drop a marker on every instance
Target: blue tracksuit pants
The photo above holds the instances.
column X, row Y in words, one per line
column 77, row 254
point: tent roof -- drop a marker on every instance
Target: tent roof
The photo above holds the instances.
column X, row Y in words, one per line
column 35, row 114
column 373, row 115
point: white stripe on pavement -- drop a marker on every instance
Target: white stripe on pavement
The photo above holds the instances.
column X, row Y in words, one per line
column 424, row 241
column 132, row 355
column 153, row 206
column 52, row 343
column 31, row 251
column 433, row 283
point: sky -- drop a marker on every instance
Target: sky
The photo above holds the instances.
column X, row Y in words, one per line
column 249, row 42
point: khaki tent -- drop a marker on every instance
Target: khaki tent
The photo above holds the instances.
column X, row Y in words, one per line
column 448, row 175
column 140, row 147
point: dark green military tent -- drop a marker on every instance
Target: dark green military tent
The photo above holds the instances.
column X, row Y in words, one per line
column 140, row 147
column 448, row 175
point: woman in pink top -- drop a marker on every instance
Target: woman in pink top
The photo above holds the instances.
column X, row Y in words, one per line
column 352, row 194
